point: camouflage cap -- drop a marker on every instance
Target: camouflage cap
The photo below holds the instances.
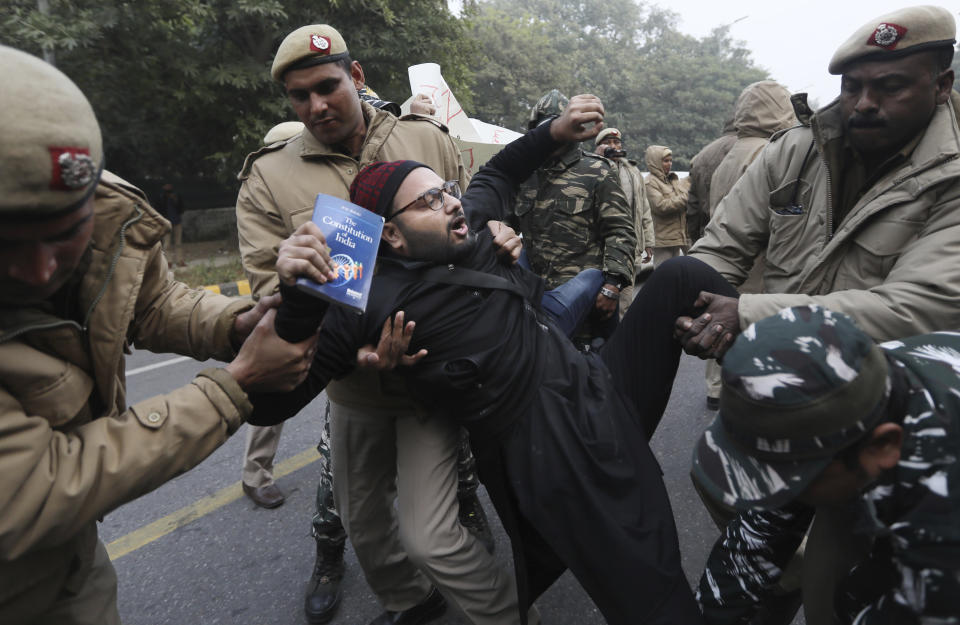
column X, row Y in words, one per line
column 895, row 35
column 51, row 151
column 797, row 388
column 282, row 132
column 550, row 105
column 607, row 132
column 308, row 46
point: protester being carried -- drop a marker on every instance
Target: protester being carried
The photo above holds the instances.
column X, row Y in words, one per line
column 497, row 362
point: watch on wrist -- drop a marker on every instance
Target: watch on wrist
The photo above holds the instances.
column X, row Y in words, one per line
column 604, row 291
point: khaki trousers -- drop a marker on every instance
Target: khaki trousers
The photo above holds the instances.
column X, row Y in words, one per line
column 94, row 603
column 261, row 449
column 663, row 254
column 382, row 456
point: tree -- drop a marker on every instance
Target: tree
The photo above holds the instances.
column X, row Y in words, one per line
column 658, row 85
column 182, row 88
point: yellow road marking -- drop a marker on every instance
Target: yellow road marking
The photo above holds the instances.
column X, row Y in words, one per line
column 243, row 287
column 213, row 287
column 161, row 527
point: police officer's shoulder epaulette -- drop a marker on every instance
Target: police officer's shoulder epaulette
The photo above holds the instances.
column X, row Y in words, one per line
column 776, row 136
column 252, row 156
column 118, row 184
column 414, row 117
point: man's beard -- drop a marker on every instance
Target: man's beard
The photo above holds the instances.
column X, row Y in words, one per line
column 439, row 248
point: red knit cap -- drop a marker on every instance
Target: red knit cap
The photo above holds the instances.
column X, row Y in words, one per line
column 377, row 183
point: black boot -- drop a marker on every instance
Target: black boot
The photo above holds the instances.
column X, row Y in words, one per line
column 323, row 589
column 474, row 519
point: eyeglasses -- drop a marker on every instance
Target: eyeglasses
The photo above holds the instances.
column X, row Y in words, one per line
column 433, row 198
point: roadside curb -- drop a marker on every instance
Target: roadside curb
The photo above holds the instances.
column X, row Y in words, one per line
column 240, row 287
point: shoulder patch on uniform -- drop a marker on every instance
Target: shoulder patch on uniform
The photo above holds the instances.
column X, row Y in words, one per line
column 252, row 156
column 413, row 117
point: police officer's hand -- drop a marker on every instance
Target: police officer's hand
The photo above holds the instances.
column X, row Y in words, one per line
column 391, row 350
column 266, row 362
column 649, row 255
column 581, row 120
column 246, row 321
column 712, row 333
column 506, row 241
column 305, row 254
column 607, row 306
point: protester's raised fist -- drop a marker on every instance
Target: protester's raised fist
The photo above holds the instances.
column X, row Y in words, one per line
column 582, row 119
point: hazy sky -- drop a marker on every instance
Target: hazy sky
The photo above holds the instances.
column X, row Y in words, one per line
column 793, row 41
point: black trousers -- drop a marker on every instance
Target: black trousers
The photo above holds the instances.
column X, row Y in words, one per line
column 589, row 496
column 642, row 354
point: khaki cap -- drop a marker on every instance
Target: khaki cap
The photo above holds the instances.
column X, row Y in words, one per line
column 896, row 35
column 607, row 132
column 51, row 151
column 282, row 132
column 307, row 46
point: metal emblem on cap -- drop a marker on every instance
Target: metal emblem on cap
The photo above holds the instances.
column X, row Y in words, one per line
column 72, row 168
column 886, row 36
column 319, row 43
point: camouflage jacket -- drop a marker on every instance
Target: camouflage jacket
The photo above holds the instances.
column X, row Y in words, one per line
column 574, row 216
column 912, row 515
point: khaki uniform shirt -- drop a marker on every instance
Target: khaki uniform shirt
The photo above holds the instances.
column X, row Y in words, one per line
column 71, row 450
column 892, row 262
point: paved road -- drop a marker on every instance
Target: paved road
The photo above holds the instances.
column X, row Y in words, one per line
column 239, row 564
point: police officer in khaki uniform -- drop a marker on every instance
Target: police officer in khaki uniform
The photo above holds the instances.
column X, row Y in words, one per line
column 82, row 276
column 609, row 144
column 377, row 430
column 856, row 209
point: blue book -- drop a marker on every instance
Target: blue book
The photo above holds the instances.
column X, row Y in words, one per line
column 353, row 236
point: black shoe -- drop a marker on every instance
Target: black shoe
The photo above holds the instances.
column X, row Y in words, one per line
column 474, row 519
column 430, row 608
column 323, row 589
column 713, row 403
column 268, row 496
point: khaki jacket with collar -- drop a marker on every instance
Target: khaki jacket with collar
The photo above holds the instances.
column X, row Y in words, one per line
column 71, row 450
column 631, row 180
column 668, row 200
column 280, row 185
column 893, row 263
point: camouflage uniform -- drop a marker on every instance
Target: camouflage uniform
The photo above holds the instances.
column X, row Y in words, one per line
column 574, row 216
column 891, row 555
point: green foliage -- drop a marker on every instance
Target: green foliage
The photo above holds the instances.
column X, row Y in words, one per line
column 658, row 85
column 183, row 91
column 182, row 88
column 210, row 273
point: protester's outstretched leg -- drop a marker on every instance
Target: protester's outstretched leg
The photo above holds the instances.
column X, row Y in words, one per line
column 642, row 354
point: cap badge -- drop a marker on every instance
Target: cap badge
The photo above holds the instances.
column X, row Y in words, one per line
column 72, row 168
column 319, row 43
column 886, row 36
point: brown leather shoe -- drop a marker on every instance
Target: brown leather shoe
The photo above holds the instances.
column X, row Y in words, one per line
column 268, row 496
